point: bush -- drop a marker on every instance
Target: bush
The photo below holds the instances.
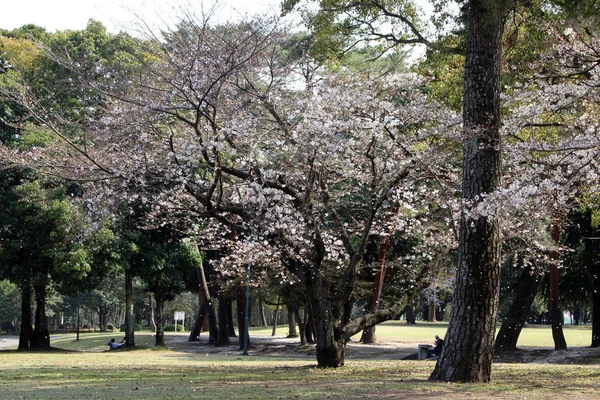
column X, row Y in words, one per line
column 171, row 328
column 136, row 327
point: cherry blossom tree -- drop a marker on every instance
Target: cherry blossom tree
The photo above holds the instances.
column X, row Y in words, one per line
column 212, row 128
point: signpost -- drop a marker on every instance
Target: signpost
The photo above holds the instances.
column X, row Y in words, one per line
column 179, row 316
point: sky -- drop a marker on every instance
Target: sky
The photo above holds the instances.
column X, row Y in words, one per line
column 114, row 14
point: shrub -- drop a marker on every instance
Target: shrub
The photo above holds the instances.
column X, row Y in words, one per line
column 136, row 327
column 171, row 328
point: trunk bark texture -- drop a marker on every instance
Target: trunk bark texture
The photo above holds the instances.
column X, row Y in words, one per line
column 301, row 326
column 292, row 331
column 368, row 336
column 213, row 327
column 102, row 317
column 410, row 315
column 26, row 333
column 241, row 315
column 331, row 344
column 556, row 314
column 596, row 319
column 41, row 336
column 468, row 350
column 261, row 311
column 517, row 314
column 160, row 320
column 199, row 320
column 129, row 316
column 223, row 335
column 592, row 257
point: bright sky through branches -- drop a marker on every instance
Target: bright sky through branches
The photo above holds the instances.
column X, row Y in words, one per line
column 74, row 14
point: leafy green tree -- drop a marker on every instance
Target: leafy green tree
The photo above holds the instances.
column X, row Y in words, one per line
column 10, row 301
column 40, row 240
column 163, row 262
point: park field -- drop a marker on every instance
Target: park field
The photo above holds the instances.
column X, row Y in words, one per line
column 84, row 369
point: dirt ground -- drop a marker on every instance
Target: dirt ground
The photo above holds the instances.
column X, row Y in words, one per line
column 268, row 346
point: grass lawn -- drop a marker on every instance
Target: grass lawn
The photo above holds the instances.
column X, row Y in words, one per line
column 531, row 336
column 146, row 372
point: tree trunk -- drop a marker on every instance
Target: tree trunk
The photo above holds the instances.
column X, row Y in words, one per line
column 410, row 315
column 556, row 314
column 301, row 326
column 261, row 311
column 129, row 316
column 199, row 320
column 292, row 332
column 368, row 336
column 431, row 313
column 309, row 325
column 596, row 319
column 151, row 316
column 26, row 333
column 331, row 344
column 241, row 316
column 518, row 313
column 468, row 350
column 275, row 316
column 592, row 257
column 160, row 320
column 230, row 325
column 102, row 316
column 41, row 336
column 210, row 308
column 223, row 335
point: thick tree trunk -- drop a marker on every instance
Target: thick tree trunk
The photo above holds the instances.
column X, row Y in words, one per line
column 41, row 336
column 518, row 313
column 410, row 315
column 292, row 331
column 26, row 333
column 241, row 316
column 160, row 320
column 468, row 350
column 592, row 257
column 331, row 344
column 431, row 314
column 129, row 316
column 301, row 326
column 556, row 314
column 102, row 317
column 223, row 335
column 596, row 319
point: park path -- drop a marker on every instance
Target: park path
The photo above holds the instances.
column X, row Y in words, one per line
column 9, row 342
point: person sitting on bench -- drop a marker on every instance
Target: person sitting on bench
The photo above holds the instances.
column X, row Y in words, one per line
column 439, row 344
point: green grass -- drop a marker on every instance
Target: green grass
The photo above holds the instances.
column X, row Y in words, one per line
column 148, row 374
column 84, row 369
column 531, row 336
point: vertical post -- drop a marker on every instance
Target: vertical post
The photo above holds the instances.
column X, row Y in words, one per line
column 246, row 333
